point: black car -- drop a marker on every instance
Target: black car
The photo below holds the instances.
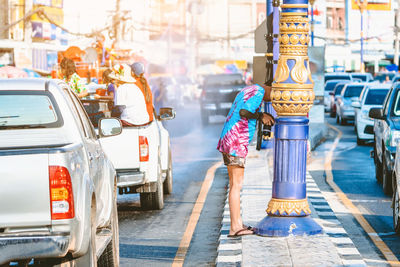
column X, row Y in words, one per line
column 219, row 92
column 387, row 137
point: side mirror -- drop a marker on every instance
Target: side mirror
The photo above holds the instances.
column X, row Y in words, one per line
column 166, row 114
column 331, row 93
column 376, row 113
column 356, row 104
column 109, row 127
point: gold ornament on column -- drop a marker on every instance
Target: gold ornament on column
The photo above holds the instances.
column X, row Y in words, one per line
column 292, row 89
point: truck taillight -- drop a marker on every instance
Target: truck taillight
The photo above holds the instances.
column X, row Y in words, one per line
column 61, row 196
column 143, row 149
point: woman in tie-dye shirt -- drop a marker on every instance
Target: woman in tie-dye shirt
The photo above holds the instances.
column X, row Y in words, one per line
column 239, row 129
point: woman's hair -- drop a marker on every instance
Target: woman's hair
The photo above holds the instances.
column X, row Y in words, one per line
column 146, row 86
column 106, row 77
column 68, row 65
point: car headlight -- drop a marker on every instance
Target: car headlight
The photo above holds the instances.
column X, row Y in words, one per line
column 365, row 115
column 394, row 137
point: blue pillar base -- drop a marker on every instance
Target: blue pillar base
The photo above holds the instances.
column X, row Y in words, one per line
column 285, row 226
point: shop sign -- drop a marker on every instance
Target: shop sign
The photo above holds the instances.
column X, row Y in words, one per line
column 37, row 30
column 57, row 3
column 54, row 13
column 53, row 3
column 382, row 5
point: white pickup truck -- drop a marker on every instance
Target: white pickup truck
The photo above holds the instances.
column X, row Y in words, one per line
column 58, row 189
column 142, row 158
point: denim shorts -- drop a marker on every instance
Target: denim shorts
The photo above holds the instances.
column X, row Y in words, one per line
column 230, row 160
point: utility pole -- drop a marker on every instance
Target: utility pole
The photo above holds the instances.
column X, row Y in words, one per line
column 312, row 21
column 28, row 26
column 116, row 22
column 362, row 6
column 396, row 42
column 228, row 28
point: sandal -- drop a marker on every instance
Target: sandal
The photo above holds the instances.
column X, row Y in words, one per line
column 237, row 234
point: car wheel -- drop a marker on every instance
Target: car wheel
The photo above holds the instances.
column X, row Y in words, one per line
column 396, row 211
column 110, row 256
column 378, row 167
column 154, row 200
column 168, row 178
column 90, row 257
column 343, row 121
column 386, row 179
column 360, row 142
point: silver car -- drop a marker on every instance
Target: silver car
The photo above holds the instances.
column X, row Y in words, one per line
column 58, row 189
column 344, row 110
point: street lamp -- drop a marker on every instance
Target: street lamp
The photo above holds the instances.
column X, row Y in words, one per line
column 312, row 21
column 362, row 5
column 292, row 98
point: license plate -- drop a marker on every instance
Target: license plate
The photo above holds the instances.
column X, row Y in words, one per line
column 226, row 105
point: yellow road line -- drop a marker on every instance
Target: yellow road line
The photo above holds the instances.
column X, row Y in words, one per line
column 194, row 217
column 391, row 258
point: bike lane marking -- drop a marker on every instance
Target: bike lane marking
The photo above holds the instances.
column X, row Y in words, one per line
column 379, row 243
column 195, row 215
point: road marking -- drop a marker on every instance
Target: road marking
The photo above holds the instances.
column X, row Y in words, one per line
column 194, row 217
column 391, row 258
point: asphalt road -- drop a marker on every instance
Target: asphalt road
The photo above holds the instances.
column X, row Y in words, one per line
column 354, row 172
column 152, row 238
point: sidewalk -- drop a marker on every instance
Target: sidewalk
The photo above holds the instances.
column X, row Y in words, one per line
column 333, row 248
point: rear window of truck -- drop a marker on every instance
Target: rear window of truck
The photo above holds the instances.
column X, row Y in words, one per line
column 28, row 109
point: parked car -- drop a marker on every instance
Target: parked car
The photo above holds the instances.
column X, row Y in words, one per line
column 142, row 158
column 396, row 192
column 396, row 78
column 337, row 76
column 384, row 76
column 58, row 192
column 219, row 92
column 344, row 110
column 371, row 97
column 386, row 137
column 364, row 77
column 328, row 89
column 334, row 94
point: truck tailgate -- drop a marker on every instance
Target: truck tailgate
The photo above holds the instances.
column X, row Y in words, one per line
column 123, row 149
column 24, row 190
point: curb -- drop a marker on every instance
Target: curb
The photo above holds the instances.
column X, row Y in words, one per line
column 229, row 251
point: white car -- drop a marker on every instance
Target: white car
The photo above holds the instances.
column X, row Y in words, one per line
column 371, row 97
column 58, row 189
column 142, row 158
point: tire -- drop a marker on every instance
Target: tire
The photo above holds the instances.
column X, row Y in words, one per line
column 110, row 256
column 359, row 141
column 90, row 257
column 168, row 179
column 154, row 200
column 386, row 179
column 343, row 121
column 378, row 167
column 396, row 211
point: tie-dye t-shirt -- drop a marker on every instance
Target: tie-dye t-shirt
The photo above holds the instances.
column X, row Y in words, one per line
column 238, row 131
